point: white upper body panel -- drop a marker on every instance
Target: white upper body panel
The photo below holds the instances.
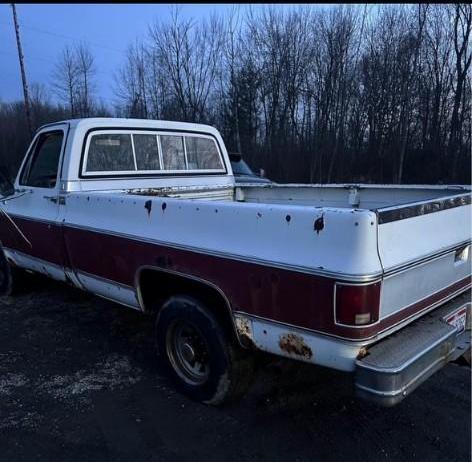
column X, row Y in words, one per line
column 253, row 222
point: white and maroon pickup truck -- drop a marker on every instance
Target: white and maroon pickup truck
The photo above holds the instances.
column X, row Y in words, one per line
column 368, row 279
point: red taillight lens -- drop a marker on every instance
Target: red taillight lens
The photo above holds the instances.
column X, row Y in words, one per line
column 357, row 305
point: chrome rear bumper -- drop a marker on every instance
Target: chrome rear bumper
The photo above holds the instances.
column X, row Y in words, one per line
column 394, row 367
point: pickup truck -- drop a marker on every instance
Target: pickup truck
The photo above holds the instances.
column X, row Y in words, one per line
column 373, row 280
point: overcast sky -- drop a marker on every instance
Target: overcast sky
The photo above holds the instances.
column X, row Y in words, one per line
column 108, row 29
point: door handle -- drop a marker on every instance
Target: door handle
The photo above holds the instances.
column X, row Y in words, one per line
column 56, row 199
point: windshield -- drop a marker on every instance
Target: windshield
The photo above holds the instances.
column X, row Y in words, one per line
column 241, row 168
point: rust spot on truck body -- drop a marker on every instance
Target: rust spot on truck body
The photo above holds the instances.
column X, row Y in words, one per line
column 362, row 353
column 319, row 224
column 295, row 345
column 148, row 207
column 244, row 328
column 158, row 192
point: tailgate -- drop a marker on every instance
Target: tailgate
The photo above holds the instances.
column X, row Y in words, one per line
column 424, row 248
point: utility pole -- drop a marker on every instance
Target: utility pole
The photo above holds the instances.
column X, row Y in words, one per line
column 23, row 74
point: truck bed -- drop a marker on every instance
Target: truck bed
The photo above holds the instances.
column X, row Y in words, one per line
column 304, row 232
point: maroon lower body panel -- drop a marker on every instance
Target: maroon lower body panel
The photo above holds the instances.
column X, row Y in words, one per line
column 281, row 295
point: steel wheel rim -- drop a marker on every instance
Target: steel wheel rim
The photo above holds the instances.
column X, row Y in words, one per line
column 187, row 351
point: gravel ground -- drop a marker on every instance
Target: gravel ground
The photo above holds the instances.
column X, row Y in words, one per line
column 79, row 381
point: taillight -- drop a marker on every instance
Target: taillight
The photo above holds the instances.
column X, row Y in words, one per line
column 357, row 305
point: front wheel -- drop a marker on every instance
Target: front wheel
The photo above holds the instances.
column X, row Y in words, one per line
column 12, row 279
column 202, row 361
column 6, row 276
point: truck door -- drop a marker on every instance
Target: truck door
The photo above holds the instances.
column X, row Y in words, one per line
column 31, row 233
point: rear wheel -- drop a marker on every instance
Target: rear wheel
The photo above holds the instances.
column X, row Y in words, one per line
column 201, row 358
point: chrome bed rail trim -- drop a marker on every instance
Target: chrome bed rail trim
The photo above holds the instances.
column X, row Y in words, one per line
column 402, row 212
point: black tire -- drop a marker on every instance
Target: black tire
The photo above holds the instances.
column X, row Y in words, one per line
column 208, row 367
column 6, row 276
column 11, row 278
column 465, row 359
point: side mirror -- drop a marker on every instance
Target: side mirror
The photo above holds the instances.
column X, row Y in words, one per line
column 6, row 186
column 262, row 173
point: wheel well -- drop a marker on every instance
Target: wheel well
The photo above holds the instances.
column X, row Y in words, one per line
column 156, row 286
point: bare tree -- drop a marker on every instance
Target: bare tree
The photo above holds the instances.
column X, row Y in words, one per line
column 436, row 78
column 85, row 71
column 189, row 54
column 462, row 30
column 232, row 64
column 409, row 72
column 66, row 80
column 131, row 86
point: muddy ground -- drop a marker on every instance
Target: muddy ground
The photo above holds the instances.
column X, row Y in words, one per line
column 79, row 382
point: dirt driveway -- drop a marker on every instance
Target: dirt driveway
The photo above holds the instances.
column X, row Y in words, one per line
column 79, row 382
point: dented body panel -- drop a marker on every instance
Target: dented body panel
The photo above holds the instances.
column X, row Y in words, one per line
column 280, row 255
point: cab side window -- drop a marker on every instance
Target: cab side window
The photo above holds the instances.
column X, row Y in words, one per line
column 173, row 152
column 202, row 154
column 43, row 164
column 110, row 153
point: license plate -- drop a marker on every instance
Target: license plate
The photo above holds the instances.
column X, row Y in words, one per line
column 458, row 319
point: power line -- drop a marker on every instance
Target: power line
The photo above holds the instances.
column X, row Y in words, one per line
column 68, row 37
column 54, row 60
column 48, row 60
column 9, row 74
